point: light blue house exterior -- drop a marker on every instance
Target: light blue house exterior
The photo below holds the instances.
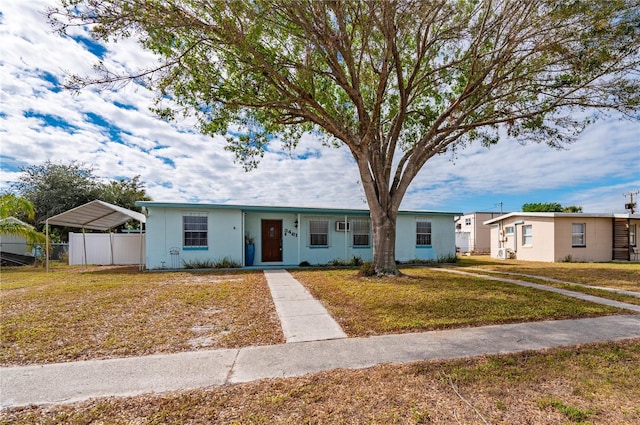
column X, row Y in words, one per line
column 184, row 233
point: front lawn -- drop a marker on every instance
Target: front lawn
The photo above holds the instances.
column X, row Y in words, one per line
column 611, row 275
column 428, row 299
column 75, row 314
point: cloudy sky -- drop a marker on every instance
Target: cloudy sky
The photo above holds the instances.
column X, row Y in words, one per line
column 114, row 131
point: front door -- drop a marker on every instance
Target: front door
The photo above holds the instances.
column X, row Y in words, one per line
column 271, row 240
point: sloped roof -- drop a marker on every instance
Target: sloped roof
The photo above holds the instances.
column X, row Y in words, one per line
column 96, row 215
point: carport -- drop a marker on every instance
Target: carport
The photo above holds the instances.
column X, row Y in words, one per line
column 96, row 215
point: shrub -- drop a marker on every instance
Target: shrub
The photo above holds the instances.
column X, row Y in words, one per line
column 367, row 270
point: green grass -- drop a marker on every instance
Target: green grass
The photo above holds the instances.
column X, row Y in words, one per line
column 428, row 299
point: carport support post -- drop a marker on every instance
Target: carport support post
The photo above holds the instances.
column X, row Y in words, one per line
column 46, row 226
column 84, row 249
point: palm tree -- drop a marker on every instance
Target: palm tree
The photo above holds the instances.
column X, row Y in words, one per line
column 11, row 206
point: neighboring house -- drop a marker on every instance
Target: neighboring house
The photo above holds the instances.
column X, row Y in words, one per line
column 15, row 244
column 183, row 233
column 472, row 235
column 565, row 236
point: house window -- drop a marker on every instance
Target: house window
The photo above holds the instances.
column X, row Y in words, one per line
column 360, row 230
column 195, row 230
column 318, row 232
column 509, row 230
column 423, row 233
column 467, row 222
column 578, row 234
column 527, row 235
column 632, row 235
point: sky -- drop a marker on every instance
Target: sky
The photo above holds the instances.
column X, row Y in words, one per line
column 114, row 132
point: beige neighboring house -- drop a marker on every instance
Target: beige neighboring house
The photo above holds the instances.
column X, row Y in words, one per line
column 565, row 236
column 472, row 235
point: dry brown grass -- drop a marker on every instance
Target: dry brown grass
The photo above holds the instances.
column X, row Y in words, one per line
column 75, row 314
column 594, row 384
column 428, row 299
column 610, row 275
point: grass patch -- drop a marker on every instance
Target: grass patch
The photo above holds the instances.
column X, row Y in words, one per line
column 77, row 314
column 596, row 383
column 610, row 275
column 427, row 299
column 602, row 293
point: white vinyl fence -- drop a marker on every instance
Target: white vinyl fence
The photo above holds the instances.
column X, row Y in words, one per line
column 106, row 248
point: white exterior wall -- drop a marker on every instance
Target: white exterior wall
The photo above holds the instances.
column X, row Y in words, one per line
column 14, row 244
column 164, row 234
column 106, row 248
column 227, row 229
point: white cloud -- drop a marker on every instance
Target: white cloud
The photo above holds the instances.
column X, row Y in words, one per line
column 179, row 164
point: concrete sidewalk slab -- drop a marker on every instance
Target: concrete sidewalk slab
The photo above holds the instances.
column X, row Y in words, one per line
column 355, row 353
column 302, row 317
column 70, row 382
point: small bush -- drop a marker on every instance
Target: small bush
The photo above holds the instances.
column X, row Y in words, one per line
column 355, row 261
column 197, row 264
column 304, row 264
column 227, row 263
column 224, row 263
column 367, row 270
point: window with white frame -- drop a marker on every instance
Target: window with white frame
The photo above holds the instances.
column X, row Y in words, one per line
column 195, row 230
column 527, row 235
column 632, row 235
column 509, row 230
column 318, row 232
column 467, row 222
column 360, row 229
column 578, row 234
column 423, row 233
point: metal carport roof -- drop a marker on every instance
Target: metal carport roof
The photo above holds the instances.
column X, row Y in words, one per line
column 96, row 215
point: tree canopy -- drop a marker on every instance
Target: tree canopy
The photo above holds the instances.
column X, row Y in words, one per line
column 53, row 188
column 550, row 207
column 395, row 82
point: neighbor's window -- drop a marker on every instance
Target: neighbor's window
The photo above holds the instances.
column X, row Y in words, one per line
column 632, row 235
column 509, row 230
column 578, row 231
column 467, row 222
column 360, row 229
column 318, row 232
column 527, row 235
column 195, row 230
column 423, row 233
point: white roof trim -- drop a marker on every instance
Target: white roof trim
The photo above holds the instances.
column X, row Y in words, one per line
column 560, row 214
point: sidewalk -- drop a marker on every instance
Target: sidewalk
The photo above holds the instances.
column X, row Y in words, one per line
column 72, row 382
column 315, row 343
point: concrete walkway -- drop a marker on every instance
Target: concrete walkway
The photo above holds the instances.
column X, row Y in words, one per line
column 302, row 317
column 72, row 382
column 323, row 350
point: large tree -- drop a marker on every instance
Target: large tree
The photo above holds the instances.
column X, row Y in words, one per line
column 55, row 187
column 395, row 82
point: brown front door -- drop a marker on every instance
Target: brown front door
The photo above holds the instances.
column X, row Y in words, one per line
column 271, row 240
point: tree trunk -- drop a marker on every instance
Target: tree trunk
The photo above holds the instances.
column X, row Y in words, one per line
column 384, row 242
